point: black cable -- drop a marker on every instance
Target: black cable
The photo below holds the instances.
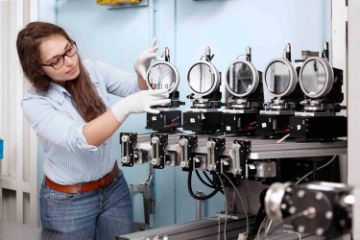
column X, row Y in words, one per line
column 260, row 216
column 211, row 184
column 206, row 197
column 221, row 189
column 208, row 178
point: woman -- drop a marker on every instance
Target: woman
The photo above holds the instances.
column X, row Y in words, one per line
column 84, row 193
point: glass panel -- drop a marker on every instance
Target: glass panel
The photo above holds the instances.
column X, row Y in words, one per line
column 240, row 78
column 201, row 78
column 277, row 77
column 162, row 76
column 313, row 77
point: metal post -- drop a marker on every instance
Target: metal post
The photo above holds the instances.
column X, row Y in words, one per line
column 198, row 208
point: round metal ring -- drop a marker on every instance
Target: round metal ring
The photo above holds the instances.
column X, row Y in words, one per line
column 164, row 74
column 254, row 83
column 328, row 78
column 214, row 84
column 293, row 80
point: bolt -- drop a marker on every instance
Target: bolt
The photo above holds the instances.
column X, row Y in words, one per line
column 300, row 193
column 292, row 210
column 319, row 231
column 301, row 228
column 328, row 215
column 310, row 212
column 319, row 196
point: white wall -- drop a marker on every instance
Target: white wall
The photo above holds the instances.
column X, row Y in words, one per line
column 353, row 104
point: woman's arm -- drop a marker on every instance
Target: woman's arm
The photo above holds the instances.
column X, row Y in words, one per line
column 101, row 128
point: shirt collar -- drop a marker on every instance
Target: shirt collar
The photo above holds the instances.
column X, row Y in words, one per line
column 57, row 92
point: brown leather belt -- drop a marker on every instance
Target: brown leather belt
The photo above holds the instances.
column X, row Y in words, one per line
column 84, row 187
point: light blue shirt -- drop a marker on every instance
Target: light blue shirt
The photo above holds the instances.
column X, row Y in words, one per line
column 68, row 159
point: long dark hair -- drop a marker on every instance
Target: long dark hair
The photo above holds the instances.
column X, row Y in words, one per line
column 83, row 93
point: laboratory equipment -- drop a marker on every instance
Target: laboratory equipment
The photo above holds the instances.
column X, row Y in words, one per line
column 318, row 119
column 245, row 97
column 204, row 82
column 164, row 75
column 323, row 209
column 239, row 166
column 281, row 80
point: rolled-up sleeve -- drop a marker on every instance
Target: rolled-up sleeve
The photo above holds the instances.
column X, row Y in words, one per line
column 77, row 141
column 54, row 126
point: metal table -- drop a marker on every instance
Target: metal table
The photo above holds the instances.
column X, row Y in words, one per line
column 208, row 229
column 260, row 148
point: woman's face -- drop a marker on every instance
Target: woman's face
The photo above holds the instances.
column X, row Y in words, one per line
column 55, row 50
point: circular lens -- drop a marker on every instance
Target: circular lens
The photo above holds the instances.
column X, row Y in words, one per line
column 203, row 78
column 162, row 75
column 280, row 77
column 316, row 77
column 241, row 78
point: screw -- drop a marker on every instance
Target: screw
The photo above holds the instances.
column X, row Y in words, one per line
column 300, row 193
column 292, row 210
column 301, row 228
column 319, row 231
column 328, row 215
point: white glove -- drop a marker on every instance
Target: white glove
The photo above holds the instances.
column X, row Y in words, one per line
column 140, row 102
column 143, row 61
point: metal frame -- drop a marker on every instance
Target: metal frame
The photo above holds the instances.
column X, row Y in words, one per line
column 204, row 229
column 172, row 67
column 255, row 81
column 329, row 79
column 216, row 83
column 260, row 148
column 293, row 77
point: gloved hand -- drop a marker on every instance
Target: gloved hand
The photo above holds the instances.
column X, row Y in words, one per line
column 140, row 102
column 143, row 61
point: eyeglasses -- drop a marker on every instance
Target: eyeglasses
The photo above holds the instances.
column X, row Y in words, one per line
column 60, row 60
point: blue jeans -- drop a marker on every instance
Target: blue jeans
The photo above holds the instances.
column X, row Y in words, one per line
column 99, row 214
